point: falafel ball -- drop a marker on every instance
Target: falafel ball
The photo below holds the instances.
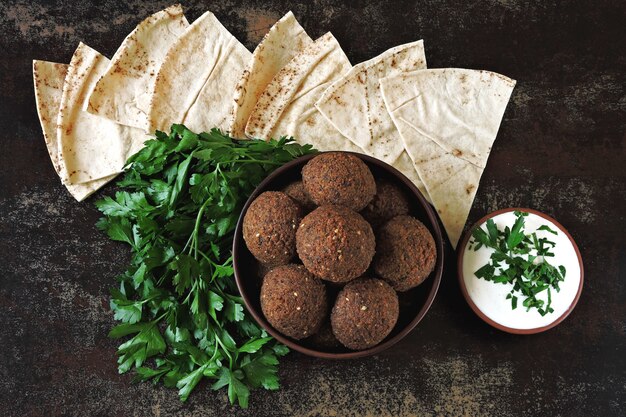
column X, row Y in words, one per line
column 269, row 228
column 293, row 301
column 259, row 270
column 405, row 252
column 365, row 312
column 296, row 191
column 389, row 202
column 335, row 243
column 325, row 338
column 339, row 178
column 262, row 269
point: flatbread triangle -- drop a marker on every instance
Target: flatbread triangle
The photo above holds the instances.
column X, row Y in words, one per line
column 122, row 93
column 48, row 79
column 448, row 119
column 283, row 41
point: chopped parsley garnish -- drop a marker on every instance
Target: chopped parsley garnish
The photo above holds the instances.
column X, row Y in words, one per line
column 520, row 259
column 181, row 315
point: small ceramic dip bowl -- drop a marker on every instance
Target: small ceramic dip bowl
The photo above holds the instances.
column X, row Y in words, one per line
column 489, row 299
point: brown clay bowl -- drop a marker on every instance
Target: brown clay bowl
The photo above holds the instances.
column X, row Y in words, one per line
column 413, row 304
column 483, row 316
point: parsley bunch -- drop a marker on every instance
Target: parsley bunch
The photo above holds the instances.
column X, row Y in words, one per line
column 525, row 262
column 181, row 315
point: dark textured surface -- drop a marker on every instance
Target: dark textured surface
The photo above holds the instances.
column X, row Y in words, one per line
column 561, row 149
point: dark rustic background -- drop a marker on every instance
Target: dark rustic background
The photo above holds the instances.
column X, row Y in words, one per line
column 561, row 149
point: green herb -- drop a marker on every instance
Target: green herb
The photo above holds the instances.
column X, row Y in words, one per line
column 182, row 317
column 519, row 259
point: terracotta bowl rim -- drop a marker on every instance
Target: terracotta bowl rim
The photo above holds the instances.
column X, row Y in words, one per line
column 479, row 313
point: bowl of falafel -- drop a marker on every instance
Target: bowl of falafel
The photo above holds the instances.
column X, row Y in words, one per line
column 337, row 255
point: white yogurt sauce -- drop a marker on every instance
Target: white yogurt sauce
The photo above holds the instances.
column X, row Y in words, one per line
column 490, row 297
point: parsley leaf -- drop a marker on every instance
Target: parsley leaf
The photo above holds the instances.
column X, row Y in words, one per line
column 178, row 305
column 524, row 255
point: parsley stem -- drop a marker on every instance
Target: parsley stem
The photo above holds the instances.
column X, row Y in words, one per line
column 204, row 255
column 230, row 358
column 194, row 235
column 215, row 350
column 252, row 161
column 155, row 321
column 193, row 287
column 230, row 192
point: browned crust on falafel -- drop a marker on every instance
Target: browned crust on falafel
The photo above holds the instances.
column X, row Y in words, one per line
column 405, row 252
column 296, row 191
column 390, row 201
column 339, row 178
column 365, row 312
column 269, row 228
column 324, row 338
column 335, row 243
column 293, row 301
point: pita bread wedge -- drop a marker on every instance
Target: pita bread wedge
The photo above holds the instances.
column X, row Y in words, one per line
column 287, row 106
column 278, row 47
column 90, row 147
column 405, row 165
column 48, row 78
column 123, row 93
column 441, row 114
column 196, row 81
column 355, row 106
